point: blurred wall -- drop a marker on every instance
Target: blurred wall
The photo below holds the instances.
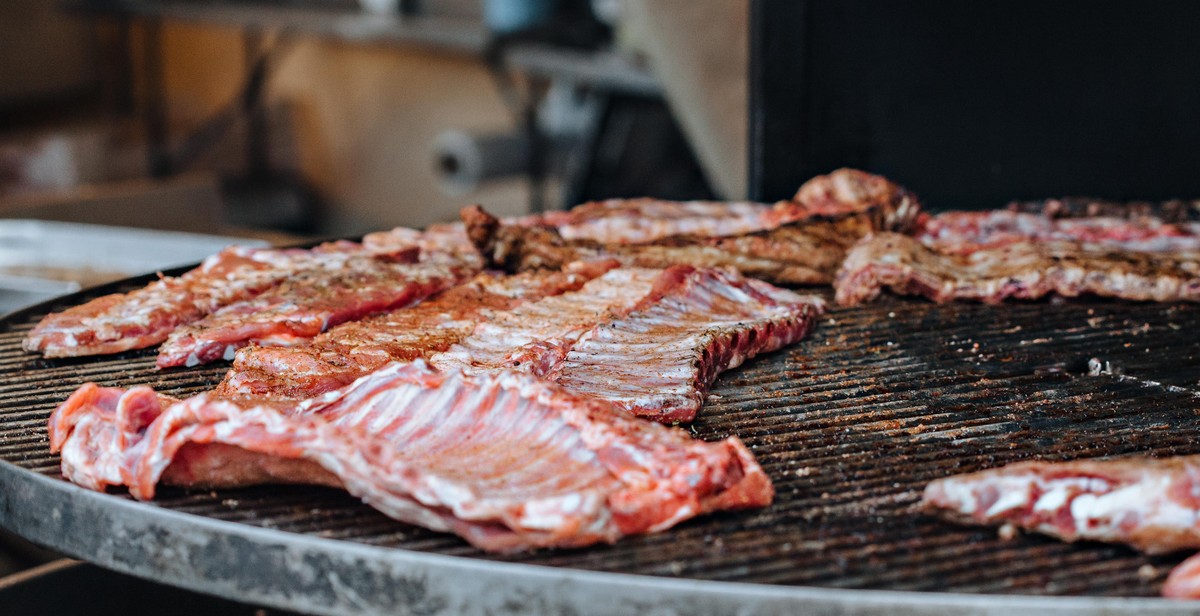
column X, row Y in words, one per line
column 700, row 51
column 43, row 52
column 365, row 117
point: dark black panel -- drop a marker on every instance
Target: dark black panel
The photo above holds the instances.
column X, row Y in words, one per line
column 972, row 104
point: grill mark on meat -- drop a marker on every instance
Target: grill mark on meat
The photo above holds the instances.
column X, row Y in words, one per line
column 659, row 361
column 829, row 214
column 1023, row 270
column 307, row 304
column 345, row 352
column 1150, row 504
column 504, row 460
column 966, row 232
column 533, row 337
column 145, row 317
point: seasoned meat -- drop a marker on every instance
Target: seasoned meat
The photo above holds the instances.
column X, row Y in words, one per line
column 308, row 303
column 813, row 232
column 967, row 232
column 1022, row 270
column 145, row 317
column 350, row 350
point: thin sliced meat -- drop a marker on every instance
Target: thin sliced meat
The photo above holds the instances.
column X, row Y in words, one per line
column 532, row 334
column 504, row 460
column 967, row 232
column 348, row 351
column 1021, row 270
column 145, row 317
column 1150, row 504
column 307, row 304
column 806, row 246
column 659, row 360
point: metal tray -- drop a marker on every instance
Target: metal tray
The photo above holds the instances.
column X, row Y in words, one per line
column 849, row 424
column 42, row 259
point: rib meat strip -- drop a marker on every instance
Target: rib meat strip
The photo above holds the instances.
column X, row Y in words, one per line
column 533, row 337
column 308, row 303
column 639, row 221
column 966, row 232
column 830, row 214
column 350, row 350
column 1150, row 504
column 659, row 361
column 505, row 460
column 1024, row 270
column 143, row 318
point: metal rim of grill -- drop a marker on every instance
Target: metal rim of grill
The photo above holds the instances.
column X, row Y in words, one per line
column 850, row 424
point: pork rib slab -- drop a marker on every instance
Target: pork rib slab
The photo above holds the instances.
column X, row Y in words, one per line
column 967, row 232
column 1023, row 270
column 804, row 245
column 307, row 304
column 350, row 350
column 144, row 317
column 532, row 334
column 505, row 460
column 659, row 360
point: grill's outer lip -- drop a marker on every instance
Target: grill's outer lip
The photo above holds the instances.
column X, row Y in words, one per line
column 323, row 576
column 805, row 406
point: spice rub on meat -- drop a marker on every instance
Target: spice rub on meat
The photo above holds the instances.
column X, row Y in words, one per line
column 307, row 304
column 348, row 351
column 1019, row 270
column 807, row 245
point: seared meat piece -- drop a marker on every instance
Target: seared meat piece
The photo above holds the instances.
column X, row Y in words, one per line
column 1024, row 270
column 966, row 232
column 145, row 317
column 830, row 214
column 639, row 221
column 307, row 304
column 504, row 460
column 844, row 192
column 348, row 351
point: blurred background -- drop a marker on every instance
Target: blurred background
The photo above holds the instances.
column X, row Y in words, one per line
column 336, row 117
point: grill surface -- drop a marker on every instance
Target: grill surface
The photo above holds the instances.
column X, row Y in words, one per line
column 850, row 424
